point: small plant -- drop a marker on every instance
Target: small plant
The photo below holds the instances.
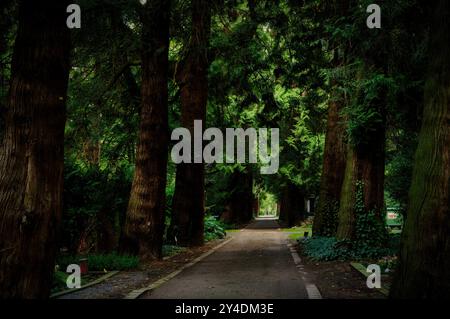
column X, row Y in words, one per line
column 214, row 228
column 325, row 249
column 101, row 262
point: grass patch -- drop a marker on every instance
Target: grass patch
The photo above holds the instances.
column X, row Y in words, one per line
column 295, row 236
column 298, row 232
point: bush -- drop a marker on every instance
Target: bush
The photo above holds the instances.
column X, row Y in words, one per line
column 330, row 248
column 88, row 190
column 324, row 249
column 214, row 228
column 101, row 262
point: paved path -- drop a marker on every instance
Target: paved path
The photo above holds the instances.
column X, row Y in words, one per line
column 256, row 263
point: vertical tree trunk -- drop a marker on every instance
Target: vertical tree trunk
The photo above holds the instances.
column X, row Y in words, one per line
column 31, row 158
column 188, row 201
column 333, row 169
column 335, row 151
column 6, row 22
column 144, row 225
column 365, row 164
column 292, row 205
column 423, row 270
column 241, row 199
column 106, row 239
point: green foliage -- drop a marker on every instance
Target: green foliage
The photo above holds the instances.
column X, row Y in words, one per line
column 112, row 261
column 370, row 231
column 366, row 112
column 89, row 190
column 399, row 166
column 101, row 262
column 214, row 228
column 267, row 204
column 59, row 281
column 330, row 248
column 325, row 249
column 370, row 239
column 330, row 217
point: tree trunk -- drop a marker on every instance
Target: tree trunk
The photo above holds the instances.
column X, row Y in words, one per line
column 333, row 169
column 32, row 153
column 106, row 238
column 365, row 165
column 188, row 201
column 292, row 205
column 241, row 199
column 423, row 270
column 144, row 225
column 6, row 22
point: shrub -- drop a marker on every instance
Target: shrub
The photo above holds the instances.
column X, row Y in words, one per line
column 330, row 248
column 214, row 228
column 88, row 190
column 324, row 249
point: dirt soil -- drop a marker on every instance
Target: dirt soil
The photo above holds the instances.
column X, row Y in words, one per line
column 339, row 280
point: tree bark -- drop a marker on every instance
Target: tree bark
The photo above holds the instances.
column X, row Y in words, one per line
column 333, row 169
column 144, row 225
column 424, row 260
column 241, row 199
column 188, row 201
column 31, row 157
column 364, row 164
column 292, row 205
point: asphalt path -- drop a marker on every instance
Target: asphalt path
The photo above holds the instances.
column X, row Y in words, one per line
column 255, row 264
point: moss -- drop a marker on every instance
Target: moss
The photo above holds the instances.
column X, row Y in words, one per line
column 346, row 209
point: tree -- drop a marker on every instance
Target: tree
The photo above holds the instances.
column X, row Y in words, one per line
column 425, row 248
column 188, row 201
column 292, row 205
column 31, row 158
column 333, row 168
column 240, row 201
column 334, row 154
column 144, row 226
column 366, row 130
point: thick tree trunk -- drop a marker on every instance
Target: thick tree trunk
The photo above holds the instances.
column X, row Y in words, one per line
column 333, row 169
column 292, row 205
column 6, row 22
column 106, row 238
column 241, row 199
column 188, row 201
column 365, row 165
column 31, row 158
column 423, row 270
column 144, row 225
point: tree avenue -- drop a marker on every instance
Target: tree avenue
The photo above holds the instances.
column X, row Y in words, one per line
column 137, row 135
